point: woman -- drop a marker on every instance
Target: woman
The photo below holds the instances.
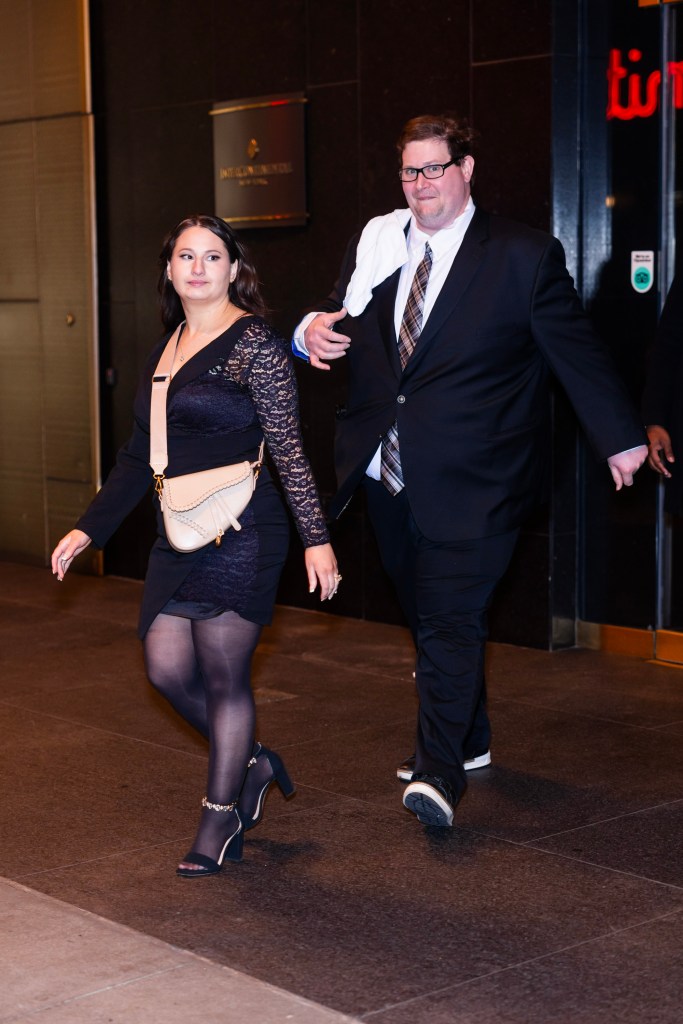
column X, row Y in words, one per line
column 232, row 383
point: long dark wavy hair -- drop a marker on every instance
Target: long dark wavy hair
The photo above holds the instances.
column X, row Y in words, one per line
column 244, row 291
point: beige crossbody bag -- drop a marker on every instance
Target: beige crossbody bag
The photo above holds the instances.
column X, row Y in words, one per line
column 197, row 507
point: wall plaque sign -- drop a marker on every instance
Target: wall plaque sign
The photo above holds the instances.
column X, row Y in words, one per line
column 259, row 161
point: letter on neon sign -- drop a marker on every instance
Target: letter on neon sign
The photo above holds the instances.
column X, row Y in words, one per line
column 642, row 98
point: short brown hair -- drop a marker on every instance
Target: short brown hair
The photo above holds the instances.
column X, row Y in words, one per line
column 455, row 132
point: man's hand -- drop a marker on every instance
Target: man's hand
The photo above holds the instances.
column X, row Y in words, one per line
column 660, row 442
column 324, row 343
column 624, row 464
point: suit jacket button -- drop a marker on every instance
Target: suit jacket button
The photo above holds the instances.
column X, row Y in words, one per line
column 401, row 399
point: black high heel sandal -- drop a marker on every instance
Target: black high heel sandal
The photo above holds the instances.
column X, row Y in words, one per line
column 232, row 848
column 253, row 795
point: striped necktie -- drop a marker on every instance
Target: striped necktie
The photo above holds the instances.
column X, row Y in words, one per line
column 391, row 474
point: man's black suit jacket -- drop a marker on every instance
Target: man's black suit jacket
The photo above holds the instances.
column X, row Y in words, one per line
column 472, row 404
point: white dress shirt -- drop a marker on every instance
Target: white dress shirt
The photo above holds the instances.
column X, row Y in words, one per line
column 444, row 245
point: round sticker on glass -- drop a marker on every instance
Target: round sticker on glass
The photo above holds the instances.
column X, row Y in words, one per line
column 642, row 270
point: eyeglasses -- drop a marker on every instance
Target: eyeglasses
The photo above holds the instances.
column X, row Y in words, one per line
column 430, row 171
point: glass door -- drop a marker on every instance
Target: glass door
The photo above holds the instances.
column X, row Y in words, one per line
column 631, row 159
column 669, row 524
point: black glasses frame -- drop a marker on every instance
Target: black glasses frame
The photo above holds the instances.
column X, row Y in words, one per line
column 421, row 171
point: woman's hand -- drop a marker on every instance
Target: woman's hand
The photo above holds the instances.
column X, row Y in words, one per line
column 321, row 567
column 67, row 549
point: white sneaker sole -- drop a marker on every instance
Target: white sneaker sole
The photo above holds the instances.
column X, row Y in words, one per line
column 427, row 803
column 478, row 762
column 474, row 762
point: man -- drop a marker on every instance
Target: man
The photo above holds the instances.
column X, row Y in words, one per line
column 452, row 321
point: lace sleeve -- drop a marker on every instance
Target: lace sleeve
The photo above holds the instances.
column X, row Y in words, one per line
column 262, row 362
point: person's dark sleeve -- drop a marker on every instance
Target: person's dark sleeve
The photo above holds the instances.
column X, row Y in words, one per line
column 335, row 300
column 580, row 360
column 122, row 491
column 662, row 383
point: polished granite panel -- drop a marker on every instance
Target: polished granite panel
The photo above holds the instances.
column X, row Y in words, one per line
column 435, row 77
column 138, row 61
column 72, row 794
column 313, row 905
column 332, row 42
column 332, row 169
column 509, row 31
column 48, row 663
column 627, row 976
column 589, row 683
column 564, row 857
column 26, row 586
column 646, row 844
column 255, row 49
column 511, row 106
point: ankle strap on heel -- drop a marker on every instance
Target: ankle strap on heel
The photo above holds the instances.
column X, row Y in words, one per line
column 255, row 754
column 218, row 807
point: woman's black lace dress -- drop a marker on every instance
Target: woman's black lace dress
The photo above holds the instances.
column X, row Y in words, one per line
column 220, row 403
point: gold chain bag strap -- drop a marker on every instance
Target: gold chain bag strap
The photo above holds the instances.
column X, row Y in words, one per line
column 197, row 507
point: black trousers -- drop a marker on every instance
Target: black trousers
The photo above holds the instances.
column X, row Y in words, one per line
column 445, row 591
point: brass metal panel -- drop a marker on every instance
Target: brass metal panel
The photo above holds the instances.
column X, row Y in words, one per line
column 18, row 249
column 59, row 55
column 68, row 388
column 22, row 510
column 65, row 242
column 49, row 426
column 16, row 94
column 639, row 643
column 67, row 296
column 669, row 646
column 22, row 517
column 588, row 634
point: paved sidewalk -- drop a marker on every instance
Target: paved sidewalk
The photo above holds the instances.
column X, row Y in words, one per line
column 62, row 965
column 556, row 898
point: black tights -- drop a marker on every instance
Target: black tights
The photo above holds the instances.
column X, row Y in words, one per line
column 203, row 668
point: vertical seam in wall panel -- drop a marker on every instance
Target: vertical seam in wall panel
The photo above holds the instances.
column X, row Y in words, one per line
column 91, row 215
column 471, row 68
column 86, row 57
column 43, row 382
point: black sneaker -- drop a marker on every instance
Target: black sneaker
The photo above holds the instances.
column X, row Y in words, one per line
column 431, row 799
column 405, row 771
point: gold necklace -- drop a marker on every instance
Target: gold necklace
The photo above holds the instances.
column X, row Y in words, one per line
column 179, row 346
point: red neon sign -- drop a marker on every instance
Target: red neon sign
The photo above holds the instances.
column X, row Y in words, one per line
column 641, row 96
